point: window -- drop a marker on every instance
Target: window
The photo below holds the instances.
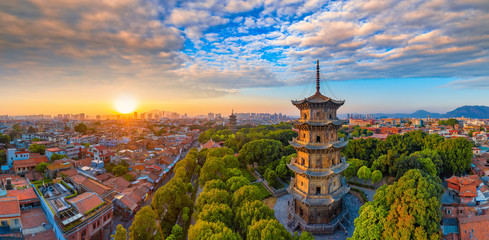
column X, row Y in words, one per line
column 330, row 116
column 301, row 212
column 318, row 190
column 302, row 183
column 84, row 232
column 318, row 163
column 305, row 116
column 318, row 139
column 303, row 161
column 318, row 116
column 460, row 211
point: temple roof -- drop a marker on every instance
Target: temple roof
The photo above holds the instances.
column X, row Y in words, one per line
column 317, row 98
column 337, row 144
column 337, row 169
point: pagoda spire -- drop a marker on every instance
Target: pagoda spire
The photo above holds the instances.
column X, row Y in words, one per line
column 317, row 77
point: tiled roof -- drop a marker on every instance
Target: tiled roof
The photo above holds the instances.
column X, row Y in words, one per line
column 86, row 201
column 59, row 166
column 39, row 159
column 95, row 186
column 23, row 194
column 119, row 183
column 474, row 227
column 104, row 176
column 78, row 179
column 211, row 144
column 33, row 218
column 69, row 172
column 85, row 161
column 46, row 235
column 129, row 202
column 55, row 149
column 10, row 207
column 24, row 163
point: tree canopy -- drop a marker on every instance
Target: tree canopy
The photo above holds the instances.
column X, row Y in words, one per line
column 262, row 151
column 120, row 233
column 203, row 230
column 36, row 148
column 81, row 128
column 144, row 226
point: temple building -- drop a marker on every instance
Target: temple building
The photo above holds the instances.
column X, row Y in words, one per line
column 232, row 122
column 318, row 187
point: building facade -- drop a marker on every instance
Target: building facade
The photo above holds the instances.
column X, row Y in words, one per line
column 318, row 187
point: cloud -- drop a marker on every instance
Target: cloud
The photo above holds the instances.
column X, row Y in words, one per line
column 476, row 83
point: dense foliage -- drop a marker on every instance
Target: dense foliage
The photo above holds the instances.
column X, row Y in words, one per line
column 407, row 209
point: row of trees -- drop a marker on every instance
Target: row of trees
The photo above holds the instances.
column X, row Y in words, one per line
column 229, row 207
column 170, row 202
column 432, row 153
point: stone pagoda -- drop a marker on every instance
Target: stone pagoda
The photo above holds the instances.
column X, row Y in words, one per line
column 232, row 122
column 318, row 187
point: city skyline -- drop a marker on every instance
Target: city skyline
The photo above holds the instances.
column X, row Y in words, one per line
column 203, row 56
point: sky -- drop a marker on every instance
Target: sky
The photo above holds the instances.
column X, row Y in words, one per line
column 73, row 56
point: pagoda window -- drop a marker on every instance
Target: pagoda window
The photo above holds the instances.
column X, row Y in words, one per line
column 318, row 163
column 318, row 190
column 318, row 139
column 305, row 116
column 318, row 116
column 303, row 161
column 330, row 116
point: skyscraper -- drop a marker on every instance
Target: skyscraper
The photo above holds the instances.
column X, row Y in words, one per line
column 318, row 187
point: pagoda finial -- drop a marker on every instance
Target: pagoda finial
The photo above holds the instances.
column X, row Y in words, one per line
column 317, row 77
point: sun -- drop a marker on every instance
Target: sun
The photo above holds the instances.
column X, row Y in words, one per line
column 125, row 104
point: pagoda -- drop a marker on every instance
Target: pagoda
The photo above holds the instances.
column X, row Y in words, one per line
column 318, row 187
column 232, row 122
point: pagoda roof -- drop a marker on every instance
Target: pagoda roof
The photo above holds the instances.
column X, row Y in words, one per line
column 337, row 169
column 315, row 200
column 317, row 98
column 337, row 144
column 335, row 122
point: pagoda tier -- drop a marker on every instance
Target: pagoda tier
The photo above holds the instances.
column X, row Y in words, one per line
column 315, row 171
column 319, row 199
column 306, row 146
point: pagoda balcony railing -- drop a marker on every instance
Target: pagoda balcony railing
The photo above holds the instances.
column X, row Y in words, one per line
column 309, row 195
column 293, row 160
column 302, row 142
column 317, row 121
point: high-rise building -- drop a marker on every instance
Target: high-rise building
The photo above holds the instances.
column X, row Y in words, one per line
column 318, row 187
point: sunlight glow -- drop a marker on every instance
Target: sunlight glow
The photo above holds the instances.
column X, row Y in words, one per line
column 125, row 104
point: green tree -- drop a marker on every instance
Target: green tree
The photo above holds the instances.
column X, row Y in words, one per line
column 212, row 196
column 5, row 139
column 268, row 229
column 407, row 209
column 36, row 148
column 41, row 167
column 216, row 183
column 217, row 212
column 364, row 173
column 31, row 129
column 81, row 128
column 352, row 169
column 246, row 193
column 56, row 156
column 120, row 233
column 203, row 230
column 376, row 176
column 176, row 233
column 120, row 170
column 219, row 152
column 128, row 177
column 212, row 169
column 144, row 226
column 3, row 157
column 35, row 139
column 456, row 154
column 272, row 178
column 262, row 151
column 304, row 236
column 236, row 183
column 250, row 212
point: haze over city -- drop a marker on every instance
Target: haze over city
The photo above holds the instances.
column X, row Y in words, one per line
column 253, row 56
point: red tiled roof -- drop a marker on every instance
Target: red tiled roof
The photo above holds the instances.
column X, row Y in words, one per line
column 85, row 161
column 24, row 163
column 78, row 179
column 129, row 202
column 59, row 166
column 10, row 207
column 474, row 227
column 96, row 187
column 32, row 218
column 23, row 194
column 104, row 176
column 39, row 159
column 69, row 172
column 468, row 191
column 46, row 235
column 118, row 183
column 86, row 201
column 211, row 144
column 55, row 149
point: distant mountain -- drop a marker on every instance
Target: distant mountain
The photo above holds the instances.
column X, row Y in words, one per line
column 481, row 112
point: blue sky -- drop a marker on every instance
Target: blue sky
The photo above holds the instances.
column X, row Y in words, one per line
column 211, row 56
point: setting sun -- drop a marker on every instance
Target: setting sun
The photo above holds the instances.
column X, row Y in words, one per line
column 125, row 104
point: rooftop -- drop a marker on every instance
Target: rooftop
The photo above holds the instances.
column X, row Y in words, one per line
column 10, row 207
column 86, row 202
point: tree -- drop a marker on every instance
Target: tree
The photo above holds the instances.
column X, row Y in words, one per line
column 120, row 233
column 203, row 230
column 456, row 154
column 304, row 236
column 41, row 167
column 144, row 225
column 272, row 178
column 81, row 128
column 56, row 156
column 262, row 151
column 217, row 212
column 120, row 170
column 251, row 211
column 268, row 229
column 235, row 183
column 352, row 169
column 212, row 196
column 35, row 139
column 364, row 173
column 36, row 148
column 407, row 209
column 3, row 157
column 219, row 152
column 246, row 193
column 176, row 233
column 216, row 183
column 212, row 169
column 376, row 176
column 31, row 129
column 128, row 177
column 5, row 139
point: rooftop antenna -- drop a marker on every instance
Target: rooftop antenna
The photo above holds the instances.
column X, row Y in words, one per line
column 317, row 76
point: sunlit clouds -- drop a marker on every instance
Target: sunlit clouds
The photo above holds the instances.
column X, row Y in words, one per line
column 84, row 51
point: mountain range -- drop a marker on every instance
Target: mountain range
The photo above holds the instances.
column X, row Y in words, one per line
column 480, row 112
